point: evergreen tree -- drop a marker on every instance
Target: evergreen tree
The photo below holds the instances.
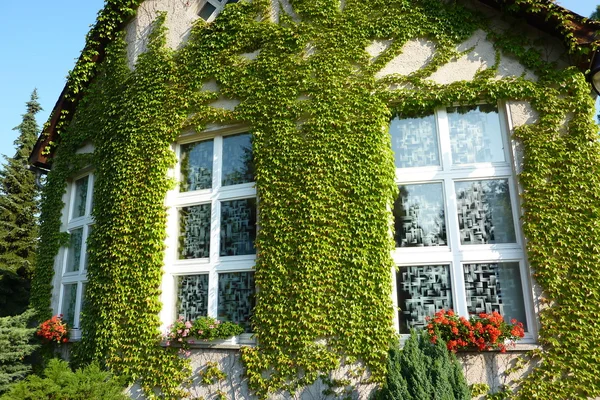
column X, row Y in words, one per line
column 423, row 371
column 15, row 345
column 596, row 14
column 18, row 217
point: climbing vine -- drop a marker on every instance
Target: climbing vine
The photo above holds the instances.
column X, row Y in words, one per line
column 325, row 179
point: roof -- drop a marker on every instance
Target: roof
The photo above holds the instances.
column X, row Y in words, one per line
column 579, row 34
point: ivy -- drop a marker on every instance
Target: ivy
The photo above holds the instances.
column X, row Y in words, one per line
column 325, row 179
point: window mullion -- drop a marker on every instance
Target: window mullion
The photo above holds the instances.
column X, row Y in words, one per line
column 458, row 283
column 444, row 138
column 215, row 226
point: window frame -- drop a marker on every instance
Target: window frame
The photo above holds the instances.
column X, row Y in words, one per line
column 70, row 224
column 455, row 254
column 215, row 264
column 219, row 6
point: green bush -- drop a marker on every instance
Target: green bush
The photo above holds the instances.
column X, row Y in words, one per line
column 61, row 383
column 423, row 371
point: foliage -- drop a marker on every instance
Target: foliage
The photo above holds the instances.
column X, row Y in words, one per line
column 203, row 328
column 61, row 383
column 482, row 332
column 423, row 370
column 15, row 344
column 54, row 330
column 211, row 374
column 18, row 217
column 325, row 179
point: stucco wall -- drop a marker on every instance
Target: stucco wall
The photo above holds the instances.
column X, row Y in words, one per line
column 489, row 368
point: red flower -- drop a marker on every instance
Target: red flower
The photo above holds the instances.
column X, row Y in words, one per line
column 54, row 330
column 483, row 331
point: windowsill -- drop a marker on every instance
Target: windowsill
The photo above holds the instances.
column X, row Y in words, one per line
column 517, row 348
column 234, row 343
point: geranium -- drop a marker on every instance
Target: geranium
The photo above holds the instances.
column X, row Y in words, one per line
column 481, row 332
column 54, row 330
column 184, row 332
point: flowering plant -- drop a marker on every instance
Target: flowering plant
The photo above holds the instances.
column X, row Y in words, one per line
column 203, row 328
column 54, row 330
column 483, row 331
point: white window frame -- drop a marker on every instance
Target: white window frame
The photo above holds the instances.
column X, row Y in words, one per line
column 454, row 254
column 219, row 6
column 215, row 263
column 78, row 277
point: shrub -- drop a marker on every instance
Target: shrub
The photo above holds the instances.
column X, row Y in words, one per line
column 61, row 383
column 481, row 332
column 15, row 345
column 423, row 370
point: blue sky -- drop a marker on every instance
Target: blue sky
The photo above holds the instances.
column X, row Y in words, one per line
column 41, row 41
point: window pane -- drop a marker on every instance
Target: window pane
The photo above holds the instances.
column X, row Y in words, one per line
column 206, row 11
column 196, row 166
column 238, row 227
column 495, row 287
column 192, row 296
column 236, row 298
column 485, row 212
column 415, row 142
column 68, row 304
column 85, row 257
column 419, row 216
column 237, row 160
column 194, row 231
column 74, row 251
column 475, row 134
column 80, row 197
column 422, row 291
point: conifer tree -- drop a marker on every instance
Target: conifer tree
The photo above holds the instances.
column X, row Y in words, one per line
column 423, row 371
column 15, row 345
column 18, row 217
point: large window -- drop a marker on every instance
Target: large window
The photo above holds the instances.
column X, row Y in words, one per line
column 74, row 262
column 212, row 230
column 458, row 243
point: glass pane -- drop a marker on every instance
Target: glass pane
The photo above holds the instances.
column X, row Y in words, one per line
column 485, row 212
column 237, row 159
column 196, row 166
column 83, row 291
column 192, row 296
column 415, row 142
column 238, row 227
column 495, row 287
column 194, row 231
column 68, row 304
column 85, row 257
column 206, row 11
column 80, row 197
column 422, row 291
column 236, row 298
column 419, row 216
column 74, row 251
column 232, row 1
column 475, row 134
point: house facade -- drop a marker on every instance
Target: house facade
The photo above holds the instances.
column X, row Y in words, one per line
column 327, row 175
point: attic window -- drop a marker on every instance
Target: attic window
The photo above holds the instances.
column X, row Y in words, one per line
column 212, row 8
